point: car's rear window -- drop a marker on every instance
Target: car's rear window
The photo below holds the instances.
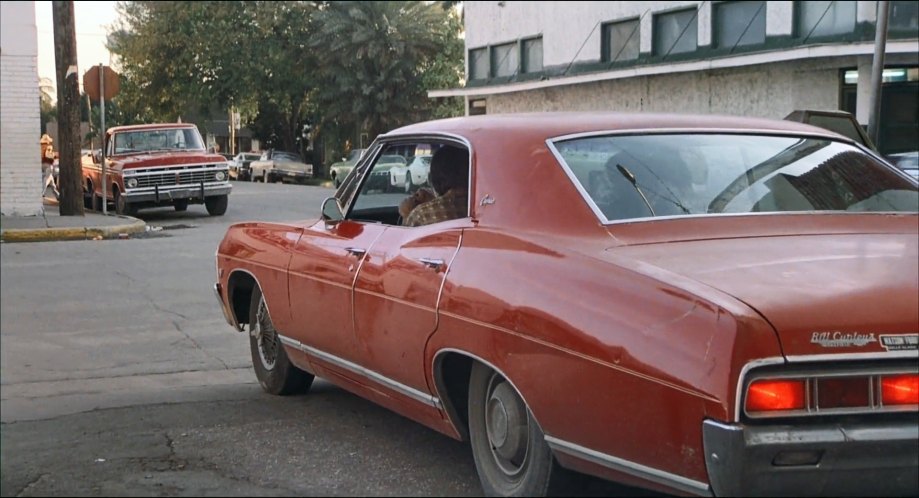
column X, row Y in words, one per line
column 628, row 177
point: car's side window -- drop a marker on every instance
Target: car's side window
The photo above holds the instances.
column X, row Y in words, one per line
column 401, row 171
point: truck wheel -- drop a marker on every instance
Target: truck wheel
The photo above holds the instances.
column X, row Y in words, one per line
column 180, row 204
column 88, row 196
column 122, row 207
column 216, row 205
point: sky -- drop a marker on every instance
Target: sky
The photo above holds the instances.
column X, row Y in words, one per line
column 91, row 22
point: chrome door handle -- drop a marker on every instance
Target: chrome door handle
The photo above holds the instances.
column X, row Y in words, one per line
column 356, row 251
column 431, row 262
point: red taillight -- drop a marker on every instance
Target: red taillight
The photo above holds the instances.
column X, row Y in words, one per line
column 772, row 395
column 900, row 390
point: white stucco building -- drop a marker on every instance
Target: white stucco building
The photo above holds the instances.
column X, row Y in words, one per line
column 751, row 58
column 20, row 127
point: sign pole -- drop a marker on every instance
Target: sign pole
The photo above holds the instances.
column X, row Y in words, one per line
column 102, row 140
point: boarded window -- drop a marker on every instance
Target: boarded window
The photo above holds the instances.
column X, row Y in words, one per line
column 675, row 32
column 740, row 23
column 478, row 64
column 620, row 41
column 504, row 59
column 825, row 18
column 532, row 55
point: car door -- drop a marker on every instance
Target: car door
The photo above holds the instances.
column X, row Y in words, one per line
column 322, row 271
column 395, row 301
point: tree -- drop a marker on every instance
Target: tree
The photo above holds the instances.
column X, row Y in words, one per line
column 374, row 57
column 191, row 57
column 47, row 109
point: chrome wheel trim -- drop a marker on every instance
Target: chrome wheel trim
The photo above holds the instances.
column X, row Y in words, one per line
column 507, row 427
column 266, row 337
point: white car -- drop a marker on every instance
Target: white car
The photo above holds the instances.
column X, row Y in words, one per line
column 411, row 176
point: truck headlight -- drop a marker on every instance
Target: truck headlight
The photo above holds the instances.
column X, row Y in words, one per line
column 130, row 182
column 220, row 176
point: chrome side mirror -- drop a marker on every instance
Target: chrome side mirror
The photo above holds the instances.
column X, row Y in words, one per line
column 331, row 211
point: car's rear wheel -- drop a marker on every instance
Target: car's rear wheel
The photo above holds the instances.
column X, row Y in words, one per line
column 216, row 205
column 509, row 448
column 275, row 372
column 180, row 204
column 336, row 181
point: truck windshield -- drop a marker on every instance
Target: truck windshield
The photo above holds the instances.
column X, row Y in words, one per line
column 130, row 142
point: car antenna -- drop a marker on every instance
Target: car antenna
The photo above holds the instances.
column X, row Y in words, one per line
column 631, row 178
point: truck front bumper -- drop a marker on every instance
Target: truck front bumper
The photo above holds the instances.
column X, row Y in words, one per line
column 166, row 195
column 829, row 459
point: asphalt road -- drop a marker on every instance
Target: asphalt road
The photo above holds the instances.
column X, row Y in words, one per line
column 119, row 376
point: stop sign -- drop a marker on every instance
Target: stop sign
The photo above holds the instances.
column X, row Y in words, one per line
column 91, row 83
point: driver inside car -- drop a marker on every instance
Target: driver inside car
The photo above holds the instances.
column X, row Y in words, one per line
column 449, row 176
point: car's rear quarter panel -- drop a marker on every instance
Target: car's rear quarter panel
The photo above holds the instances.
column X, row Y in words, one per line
column 606, row 358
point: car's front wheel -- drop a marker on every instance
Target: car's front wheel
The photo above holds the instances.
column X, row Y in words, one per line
column 509, row 448
column 275, row 372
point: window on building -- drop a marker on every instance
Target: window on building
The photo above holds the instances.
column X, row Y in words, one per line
column 478, row 64
column 504, row 59
column 904, row 16
column 675, row 32
column 620, row 41
column 532, row 55
column 816, row 18
column 739, row 23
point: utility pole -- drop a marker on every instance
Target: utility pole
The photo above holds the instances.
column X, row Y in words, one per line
column 877, row 71
column 70, row 177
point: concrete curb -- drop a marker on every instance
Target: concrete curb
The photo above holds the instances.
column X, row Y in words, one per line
column 134, row 225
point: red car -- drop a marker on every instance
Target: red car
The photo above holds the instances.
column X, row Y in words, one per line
column 693, row 304
column 156, row 165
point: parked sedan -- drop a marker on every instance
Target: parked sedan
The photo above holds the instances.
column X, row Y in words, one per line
column 695, row 304
column 239, row 165
column 280, row 166
column 411, row 176
column 338, row 171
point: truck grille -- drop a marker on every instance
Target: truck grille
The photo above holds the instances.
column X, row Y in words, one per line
column 176, row 178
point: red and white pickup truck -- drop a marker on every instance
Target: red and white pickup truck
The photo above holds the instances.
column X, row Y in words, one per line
column 156, row 165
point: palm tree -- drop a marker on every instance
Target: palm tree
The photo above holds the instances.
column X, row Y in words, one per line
column 373, row 55
column 47, row 109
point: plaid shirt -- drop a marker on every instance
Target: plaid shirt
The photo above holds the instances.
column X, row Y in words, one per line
column 449, row 206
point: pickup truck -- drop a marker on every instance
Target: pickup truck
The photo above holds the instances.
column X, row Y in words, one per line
column 156, row 165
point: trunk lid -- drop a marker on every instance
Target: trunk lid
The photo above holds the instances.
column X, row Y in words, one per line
column 823, row 293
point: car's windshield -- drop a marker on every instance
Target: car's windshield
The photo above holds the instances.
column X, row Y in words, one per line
column 128, row 142
column 629, row 177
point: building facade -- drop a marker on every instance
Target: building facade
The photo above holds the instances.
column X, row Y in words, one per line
column 748, row 58
column 20, row 124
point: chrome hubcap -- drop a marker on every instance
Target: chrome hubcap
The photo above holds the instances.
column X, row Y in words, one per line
column 507, row 427
column 266, row 336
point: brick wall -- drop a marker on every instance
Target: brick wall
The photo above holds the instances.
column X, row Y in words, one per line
column 20, row 129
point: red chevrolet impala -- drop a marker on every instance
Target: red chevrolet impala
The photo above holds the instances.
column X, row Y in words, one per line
column 693, row 304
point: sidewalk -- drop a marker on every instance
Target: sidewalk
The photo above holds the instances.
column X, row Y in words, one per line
column 53, row 226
